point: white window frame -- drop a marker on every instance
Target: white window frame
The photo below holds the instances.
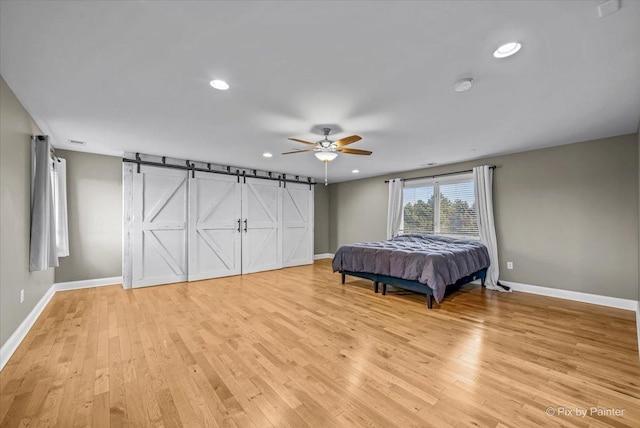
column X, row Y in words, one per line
column 436, row 182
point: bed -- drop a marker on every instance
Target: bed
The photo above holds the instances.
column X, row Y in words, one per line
column 425, row 264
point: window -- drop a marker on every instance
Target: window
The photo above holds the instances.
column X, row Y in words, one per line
column 444, row 206
column 58, row 173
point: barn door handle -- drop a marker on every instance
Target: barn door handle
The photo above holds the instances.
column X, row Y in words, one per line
column 245, row 224
column 239, row 223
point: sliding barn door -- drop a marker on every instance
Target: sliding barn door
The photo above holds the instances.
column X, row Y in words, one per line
column 214, row 232
column 159, row 226
column 262, row 231
column 297, row 225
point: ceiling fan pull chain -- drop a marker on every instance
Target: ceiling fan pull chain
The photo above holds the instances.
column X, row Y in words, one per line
column 326, row 182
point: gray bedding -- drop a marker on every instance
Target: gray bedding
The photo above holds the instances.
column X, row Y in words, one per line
column 436, row 261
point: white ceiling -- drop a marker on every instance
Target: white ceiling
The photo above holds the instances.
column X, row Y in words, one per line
column 133, row 77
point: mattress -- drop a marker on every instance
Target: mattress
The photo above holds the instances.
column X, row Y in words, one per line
column 433, row 260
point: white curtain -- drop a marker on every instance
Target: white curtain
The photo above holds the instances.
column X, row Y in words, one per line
column 42, row 249
column 59, row 182
column 395, row 212
column 483, row 177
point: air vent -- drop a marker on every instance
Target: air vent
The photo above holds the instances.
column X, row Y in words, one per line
column 80, row 143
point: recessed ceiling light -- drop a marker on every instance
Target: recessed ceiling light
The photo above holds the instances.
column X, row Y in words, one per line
column 355, row 171
column 507, row 49
column 267, row 155
column 219, row 84
column 463, row 85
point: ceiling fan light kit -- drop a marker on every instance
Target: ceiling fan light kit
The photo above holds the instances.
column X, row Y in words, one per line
column 326, row 156
column 327, row 150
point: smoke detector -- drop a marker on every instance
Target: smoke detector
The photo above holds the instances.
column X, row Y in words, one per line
column 608, row 8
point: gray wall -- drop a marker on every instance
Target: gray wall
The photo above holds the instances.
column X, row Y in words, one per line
column 321, row 219
column 16, row 128
column 94, row 203
column 567, row 216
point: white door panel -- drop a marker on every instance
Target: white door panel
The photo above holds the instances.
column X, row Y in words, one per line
column 186, row 227
column 297, row 222
column 160, row 218
column 214, row 239
column 262, row 231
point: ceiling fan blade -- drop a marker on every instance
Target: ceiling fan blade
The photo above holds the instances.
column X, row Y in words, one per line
column 296, row 151
column 302, row 141
column 347, row 140
column 355, row 151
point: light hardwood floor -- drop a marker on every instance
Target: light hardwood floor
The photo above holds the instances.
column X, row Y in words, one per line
column 295, row 348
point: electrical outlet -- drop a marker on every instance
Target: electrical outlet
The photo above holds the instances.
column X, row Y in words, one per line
column 22, row 295
column 509, row 265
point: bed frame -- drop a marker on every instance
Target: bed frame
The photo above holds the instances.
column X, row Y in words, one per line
column 410, row 285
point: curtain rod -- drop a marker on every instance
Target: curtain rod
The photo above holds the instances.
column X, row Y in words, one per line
column 52, row 150
column 54, row 154
column 438, row 175
column 239, row 172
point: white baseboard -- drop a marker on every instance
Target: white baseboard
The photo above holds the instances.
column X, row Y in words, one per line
column 87, row 283
column 613, row 302
column 638, row 325
column 323, row 256
column 10, row 346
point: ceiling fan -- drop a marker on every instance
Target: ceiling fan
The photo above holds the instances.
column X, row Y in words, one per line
column 327, row 150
